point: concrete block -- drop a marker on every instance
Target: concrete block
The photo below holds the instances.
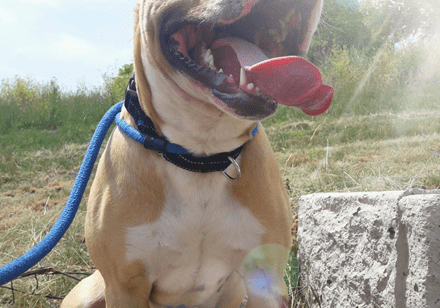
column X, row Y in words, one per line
column 419, row 263
column 371, row 249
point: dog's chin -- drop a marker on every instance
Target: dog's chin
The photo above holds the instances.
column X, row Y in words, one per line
column 219, row 55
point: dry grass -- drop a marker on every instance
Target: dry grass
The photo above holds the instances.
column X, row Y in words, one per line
column 29, row 206
column 320, row 154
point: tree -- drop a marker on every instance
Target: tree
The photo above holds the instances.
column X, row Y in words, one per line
column 394, row 21
column 115, row 86
column 341, row 25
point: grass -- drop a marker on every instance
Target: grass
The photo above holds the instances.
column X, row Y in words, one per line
column 44, row 137
column 39, row 120
column 376, row 152
column 28, row 212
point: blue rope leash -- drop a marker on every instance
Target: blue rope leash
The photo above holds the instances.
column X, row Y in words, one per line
column 140, row 137
column 17, row 267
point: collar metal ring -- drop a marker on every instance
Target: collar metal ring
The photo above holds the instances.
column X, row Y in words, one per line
column 237, row 167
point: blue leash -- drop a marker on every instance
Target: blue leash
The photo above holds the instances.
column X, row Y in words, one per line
column 17, row 267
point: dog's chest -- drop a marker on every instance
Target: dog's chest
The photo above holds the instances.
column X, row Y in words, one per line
column 201, row 236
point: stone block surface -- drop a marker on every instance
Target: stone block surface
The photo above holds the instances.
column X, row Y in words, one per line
column 371, row 249
column 420, row 256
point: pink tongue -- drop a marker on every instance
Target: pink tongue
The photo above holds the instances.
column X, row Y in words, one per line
column 291, row 81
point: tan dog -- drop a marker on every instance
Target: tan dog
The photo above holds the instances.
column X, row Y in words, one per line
column 162, row 236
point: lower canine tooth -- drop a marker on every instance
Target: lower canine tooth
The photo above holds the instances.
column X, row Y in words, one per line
column 211, row 65
column 250, row 86
column 243, row 80
column 208, row 56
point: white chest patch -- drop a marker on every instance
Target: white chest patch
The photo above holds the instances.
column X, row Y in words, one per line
column 199, row 237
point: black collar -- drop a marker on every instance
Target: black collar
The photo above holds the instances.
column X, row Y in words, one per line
column 173, row 153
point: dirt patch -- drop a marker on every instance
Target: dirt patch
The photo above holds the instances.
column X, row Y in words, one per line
column 298, row 159
column 32, row 201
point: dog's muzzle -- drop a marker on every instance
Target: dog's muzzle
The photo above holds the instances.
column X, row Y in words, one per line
column 247, row 64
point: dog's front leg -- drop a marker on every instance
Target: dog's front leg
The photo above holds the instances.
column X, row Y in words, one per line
column 263, row 272
column 130, row 289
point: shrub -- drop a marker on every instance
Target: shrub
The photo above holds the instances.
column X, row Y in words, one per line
column 368, row 83
column 25, row 103
column 115, row 86
column 41, row 115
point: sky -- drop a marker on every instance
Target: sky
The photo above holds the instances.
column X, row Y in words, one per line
column 75, row 42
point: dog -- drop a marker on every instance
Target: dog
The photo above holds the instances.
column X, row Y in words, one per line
column 160, row 234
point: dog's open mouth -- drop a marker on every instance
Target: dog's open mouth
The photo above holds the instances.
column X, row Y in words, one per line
column 247, row 65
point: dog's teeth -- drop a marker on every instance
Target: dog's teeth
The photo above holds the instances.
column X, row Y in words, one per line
column 283, row 33
column 273, row 31
column 250, row 86
column 211, row 65
column 221, row 70
column 289, row 16
column 279, row 35
column 203, row 50
column 275, row 34
column 208, row 56
column 284, row 25
column 243, row 79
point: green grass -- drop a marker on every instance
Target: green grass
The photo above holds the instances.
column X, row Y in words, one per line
column 374, row 152
column 36, row 119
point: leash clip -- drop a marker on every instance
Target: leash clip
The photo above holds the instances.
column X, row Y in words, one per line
column 237, row 167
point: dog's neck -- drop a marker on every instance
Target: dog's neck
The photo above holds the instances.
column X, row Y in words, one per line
column 147, row 135
column 192, row 121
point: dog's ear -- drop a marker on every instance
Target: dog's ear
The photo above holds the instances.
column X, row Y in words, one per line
column 142, row 85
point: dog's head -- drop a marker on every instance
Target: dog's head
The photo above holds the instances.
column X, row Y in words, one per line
column 234, row 55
